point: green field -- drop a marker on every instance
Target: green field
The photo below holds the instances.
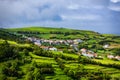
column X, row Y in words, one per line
column 59, row 73
column 30, row 62
column 45, row 32
column 15, row 43
column 46, row 29
column 74, row 64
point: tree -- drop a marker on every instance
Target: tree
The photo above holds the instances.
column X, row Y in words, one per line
column 29, row 76
column 26, row 52
column 116, row 51
column 36, row 74
column 7, row 51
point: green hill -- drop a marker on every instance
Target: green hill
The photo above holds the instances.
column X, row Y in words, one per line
column 29, row 62
column 54, row 33
column 44, row 29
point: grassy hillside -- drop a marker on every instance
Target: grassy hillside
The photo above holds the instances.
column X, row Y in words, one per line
column 45, row 29
column 15, row 43
column 55, row 33
column 29, row 62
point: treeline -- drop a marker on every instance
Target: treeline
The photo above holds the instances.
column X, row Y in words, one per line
column 65, row 33
column 51, row 32
column 4, row 34
column 30, row 32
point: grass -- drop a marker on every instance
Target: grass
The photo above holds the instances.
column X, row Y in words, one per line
column 48, row 35
column 14, row 43
column 59, row 74
column 45, row 61
column 114, row 46
column 40, row 29
column 72, row 64
column 112, row 71
column 66, row 54
column 107, row 61
column 25, row 68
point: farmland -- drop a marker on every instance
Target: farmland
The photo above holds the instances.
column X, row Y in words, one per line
column 21, row 59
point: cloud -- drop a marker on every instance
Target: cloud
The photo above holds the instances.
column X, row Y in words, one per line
column 115, row 1
column 115, row 8
column 73, row 6
column 61, row 13
column 80, row 17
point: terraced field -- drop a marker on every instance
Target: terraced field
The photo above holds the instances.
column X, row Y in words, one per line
column 73, row 64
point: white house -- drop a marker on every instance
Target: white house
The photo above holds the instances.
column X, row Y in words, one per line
column 37, row 43
column 106, row 46
column 83, row 50
column 53, row 49
column 110, row 56
column 117, row 57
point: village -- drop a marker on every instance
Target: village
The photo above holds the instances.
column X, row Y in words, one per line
column 93, row 57
column 71, row 43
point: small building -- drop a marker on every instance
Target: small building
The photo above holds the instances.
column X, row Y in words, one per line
column 110, row 57
column 37, row 43
column 88, row 55
column 44, row 47
column 117, row 57
column 106, row 46
column 53, row 49
column 83, row 50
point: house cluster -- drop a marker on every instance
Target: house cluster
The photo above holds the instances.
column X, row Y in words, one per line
column 66, row 42
column 39, row 42
column 88, row 53
column 113, row 57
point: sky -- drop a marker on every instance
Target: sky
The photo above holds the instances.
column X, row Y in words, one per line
column 98, row 15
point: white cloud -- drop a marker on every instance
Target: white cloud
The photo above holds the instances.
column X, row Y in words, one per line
column 114, row 8
column 115, row 1
column 81, row 17
column 73, row 7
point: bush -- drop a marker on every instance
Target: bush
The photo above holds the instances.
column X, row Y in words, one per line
column 47, row 71
column 11, row 69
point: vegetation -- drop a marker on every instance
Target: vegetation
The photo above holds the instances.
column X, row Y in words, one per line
column 53, row 33
column 22, row 60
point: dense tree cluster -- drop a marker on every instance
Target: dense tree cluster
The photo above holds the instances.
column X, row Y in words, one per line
column 11, row 57
column 11, row 69
column 116, row 51
column 7, row 51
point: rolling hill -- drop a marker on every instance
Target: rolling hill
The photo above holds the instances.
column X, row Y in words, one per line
column 55, row 33
column 27, row 61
